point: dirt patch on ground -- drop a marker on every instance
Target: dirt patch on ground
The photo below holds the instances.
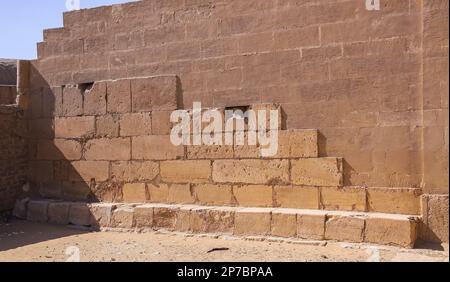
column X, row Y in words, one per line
column 25, row 241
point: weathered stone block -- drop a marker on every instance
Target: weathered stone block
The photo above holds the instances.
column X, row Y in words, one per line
column 136, row 124
column 317, row 172
column 116, row 149
column 123, row 217
column 311, row 225
column 161, row 124
column 209, row 152
column 296, row 197
column 394, row 200
column 214, row 194
column 80, row 214
column 101, row 214
column 58, row 213
column 253, row 195
column 134, row 193
column 72, row 101
column 297, row 144
column 180, row 194
column 346, row 198
column 154, row 94
column 252, row 221
column 158, row 147
column 284, row 223
column 119, row 96
column 134, row 171
column 186, row 171
column 37, row 211
column 95, row 99
column 58, row 149
column 251, row 171
column 75, row 127
column 159, row 194
column 107, row 126
column 89, row 170
column 391, row 231
column 164, row 217
column 143, row 216
column 344, row 228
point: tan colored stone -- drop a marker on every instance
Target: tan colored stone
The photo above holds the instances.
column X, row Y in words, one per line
column 72, row 101
column 186, row 171
column 157, row 93
column 136, row 124
column 165, row 217
column 435, row 216
column 317, row 172
column 311, row 225
column 58, row 149
column 119, row 96
column 209, row 152
column 284, row 223
column 161, row 124
column 214, row 194
column 58, row 213
column 74, row 127
column 297, row 144
column 251, row 171
column 183, row 220
column 252, row 221
column 212, row 220
column 101, row 214
column 38, row 211
column 134, row 171
column 344, row 228
column 123, row 217
column 143, row 216
column 180, row 194
column 158, row 147
column 394, row 200
column 94, row 102
column 79, row 214
column 89, row 170
column 117, row 149
column 159, row 194
column 391, row 231
column 297, row 197
column 107, row 126
column 134, row 193
column 253, row 195
column 347, row 198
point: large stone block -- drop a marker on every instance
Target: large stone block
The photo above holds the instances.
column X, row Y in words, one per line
column 209, row 152
column 297, row 144
column 134, row 171
column 253, row 195
column 157, row 147
column 80, row 214
column 251, row 171
column 38, row 211
column 394, row 200
column 161, row 124
column 75, row 127
column 346, row 198
column 180, row 194
column 101, row 214
column 116, row 149
column 119, row 96
column 214, row 194
column 143, row 216
column 107, row 126
column 317, row 172
column 391, row 231
column 284, row 223
column 212, row 220
column 186, row 171
column 344, row 228
column 311, row 225
column 95, row 99
column 435, row 215
column 134, row 193
column 58, row 213
column 136, row 124
column 296, row 197
column 58, row 149
column 165, row 217
column 158, row 193
column 252, row 221
column 89, row 170
column 154, row 94
column 72, row 101
column 123, row 217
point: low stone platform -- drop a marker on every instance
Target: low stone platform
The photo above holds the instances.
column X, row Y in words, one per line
column 378, row 228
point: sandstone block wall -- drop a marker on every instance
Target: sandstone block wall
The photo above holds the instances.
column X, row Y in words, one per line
column 13, row 155
column 373, row 82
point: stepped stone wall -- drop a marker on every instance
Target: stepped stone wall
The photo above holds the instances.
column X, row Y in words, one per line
column 363, row 94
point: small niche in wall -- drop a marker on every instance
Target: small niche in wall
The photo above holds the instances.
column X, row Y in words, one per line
column 85, row 87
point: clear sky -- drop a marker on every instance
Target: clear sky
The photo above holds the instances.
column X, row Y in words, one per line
column 22, row 23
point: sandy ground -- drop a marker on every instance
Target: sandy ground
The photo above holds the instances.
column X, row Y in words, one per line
column 25, row 241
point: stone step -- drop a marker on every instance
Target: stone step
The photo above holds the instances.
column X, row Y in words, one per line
column 385, row 200
column 378, row 228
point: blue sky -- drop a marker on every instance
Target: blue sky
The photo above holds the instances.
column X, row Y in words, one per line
column 22, row 23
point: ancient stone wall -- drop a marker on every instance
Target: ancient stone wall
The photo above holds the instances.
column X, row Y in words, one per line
column 333, row 65
column 13, row 155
